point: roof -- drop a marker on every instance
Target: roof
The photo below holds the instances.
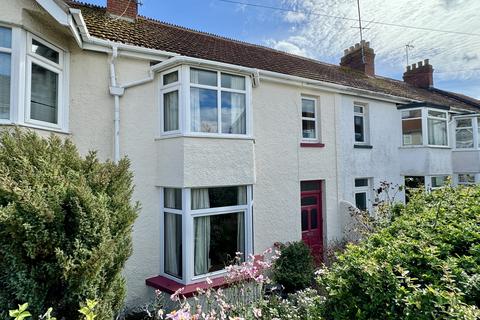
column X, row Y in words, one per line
column 150, row 33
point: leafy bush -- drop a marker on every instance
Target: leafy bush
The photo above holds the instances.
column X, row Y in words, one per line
column 425, row 265
column 294, row 268
column 65, row 226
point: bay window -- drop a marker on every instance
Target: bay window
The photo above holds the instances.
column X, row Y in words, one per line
column 204, row 229
column 32, row 80
column 5, row 71
column 424, row 127
column 204, row 102
column 467, row 132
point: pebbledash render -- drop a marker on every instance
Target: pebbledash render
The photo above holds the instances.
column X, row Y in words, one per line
column 233, row 146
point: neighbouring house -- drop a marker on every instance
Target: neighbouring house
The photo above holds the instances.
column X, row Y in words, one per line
column 234, row 146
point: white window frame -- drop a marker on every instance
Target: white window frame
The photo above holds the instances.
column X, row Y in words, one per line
column 314, row 119
column 430, row 181
column 365, row 117
column 184, row 86
column 175, row 86
column 416, row 118
column 425, row 121
column 475, row 178
column 425, row 117
column 188, row 258
column 475, row 129
column 12, row 54
column 363, row 189
column 57, row 68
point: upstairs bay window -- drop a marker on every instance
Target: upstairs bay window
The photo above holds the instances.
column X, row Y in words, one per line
column 467, row 132
column 204, row 228
column 424, row 127
column 204, row 102
column 5, row 71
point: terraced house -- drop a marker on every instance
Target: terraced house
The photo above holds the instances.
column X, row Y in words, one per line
column 234, row 146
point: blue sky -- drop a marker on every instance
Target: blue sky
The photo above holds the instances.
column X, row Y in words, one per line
column 455, row 58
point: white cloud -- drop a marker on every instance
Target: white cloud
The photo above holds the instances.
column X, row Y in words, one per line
column 287, row 46
column 325, row 38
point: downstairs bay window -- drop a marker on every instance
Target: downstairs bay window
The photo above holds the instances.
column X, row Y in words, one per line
column 424, row 127
column 197, row 101
column 204, row 229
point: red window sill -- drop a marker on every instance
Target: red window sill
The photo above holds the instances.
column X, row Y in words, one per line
column 170, row 286
column 312, row 145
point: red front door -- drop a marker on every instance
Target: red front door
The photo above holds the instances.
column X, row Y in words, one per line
column 311, row 216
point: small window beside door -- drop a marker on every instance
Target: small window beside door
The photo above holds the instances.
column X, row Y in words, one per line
column 362, row 193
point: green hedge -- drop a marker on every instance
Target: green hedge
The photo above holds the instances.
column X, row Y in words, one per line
column 65, row 226
column 425, row 265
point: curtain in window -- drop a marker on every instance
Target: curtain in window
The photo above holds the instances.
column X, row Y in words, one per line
column 5, row 67
column 169, row 198
column 195, row 118
column 173, row 245
column 44, row 90
column 170, row 111
column 242, row 198
column 437, row 132
column 233, row 113
column 200, row 200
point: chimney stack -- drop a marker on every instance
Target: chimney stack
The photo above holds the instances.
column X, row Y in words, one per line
column 353, row 58
column 419, row 75
column 127, row 9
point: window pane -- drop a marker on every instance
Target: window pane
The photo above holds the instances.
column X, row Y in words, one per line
column 363, row 182
column 5, row 78
column 304, row 220
column 359, row 129
column 233, row 82
column 170, row 111
column 208, row 78
column 172, row 198
column 217, row 239
column 464, row 138
column 308, row 129
column 464, row 123
column 308, row 201
column 203, row 198
column 466, row 178
column 233, row 113
column 44, row 94
column 44, row 51
column 414, row 182
column 411, row 114
column 439, row 181
column 412, row 132
column 314, row 219
column 358, row 109
column 5, row 37
column 310, row 185
column 173, row 244
column 437, row 132
column 308, row 108
column 203, row 110
column 171, row 77
column 478, row 133
column 361, row 200
column 437, row 114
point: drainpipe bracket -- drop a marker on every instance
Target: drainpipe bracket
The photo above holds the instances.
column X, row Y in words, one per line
column 117, row 91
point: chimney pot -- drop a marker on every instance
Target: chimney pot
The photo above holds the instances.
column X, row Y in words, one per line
column 427, row 62
column 420, row 64
column 352, row 58
column 127, row 9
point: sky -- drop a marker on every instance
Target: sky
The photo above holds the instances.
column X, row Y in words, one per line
column 305, row 27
